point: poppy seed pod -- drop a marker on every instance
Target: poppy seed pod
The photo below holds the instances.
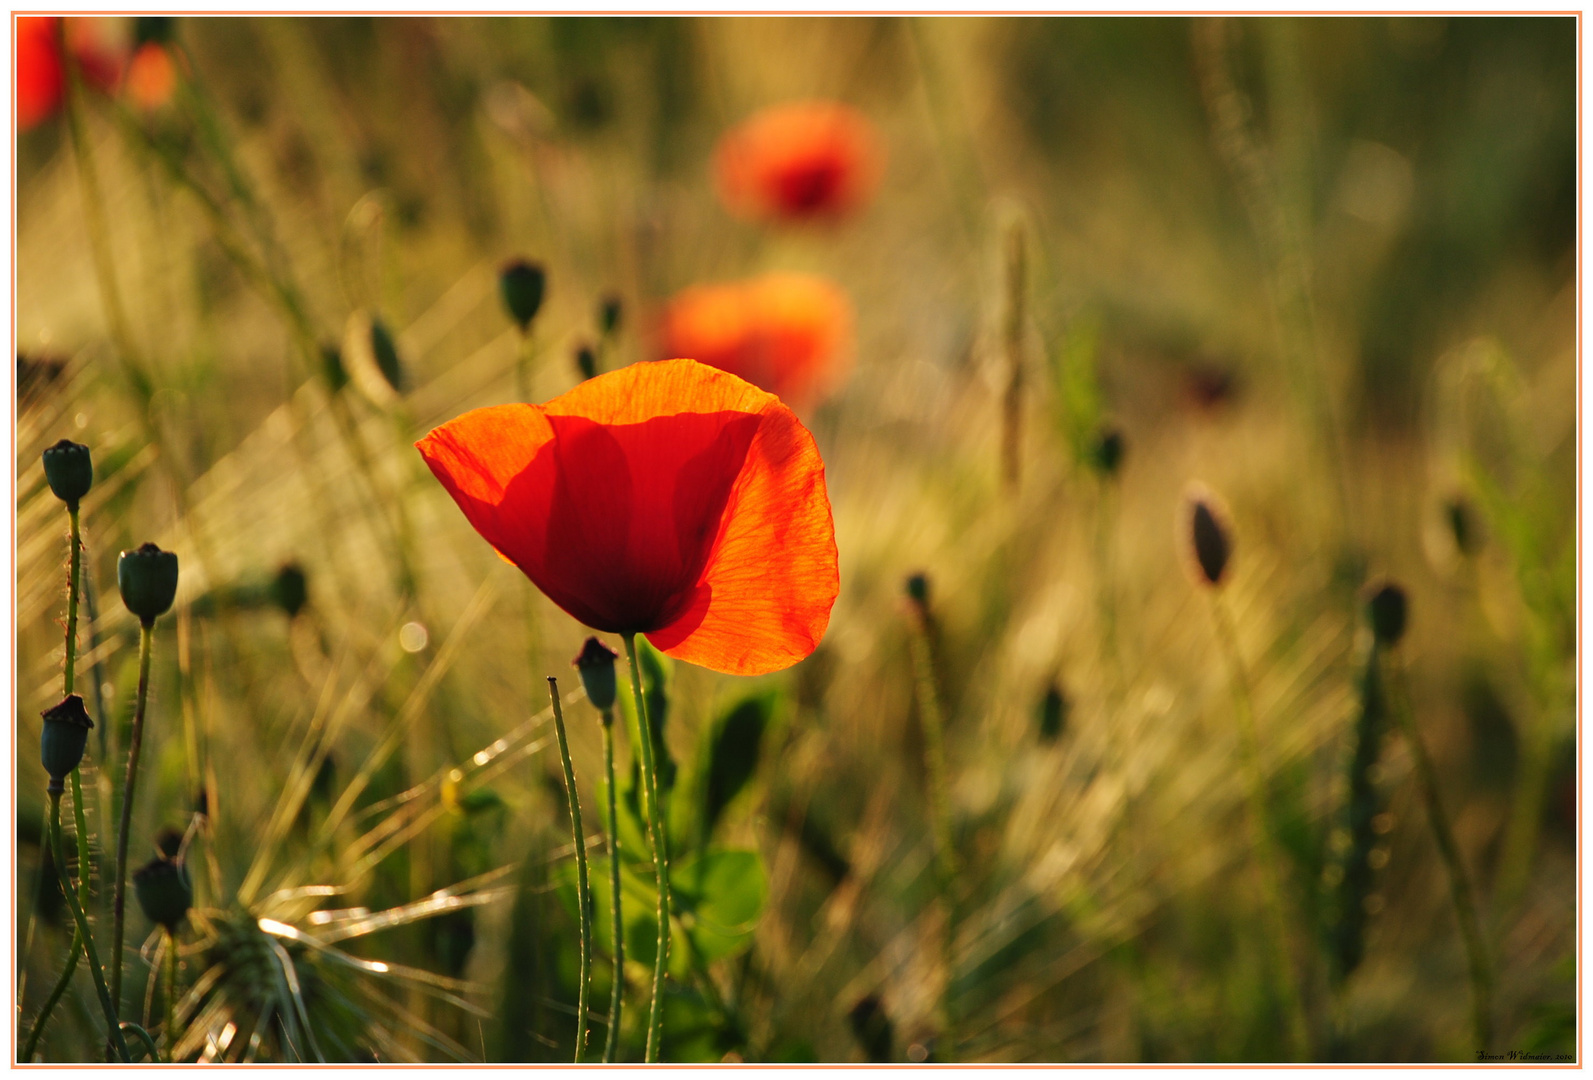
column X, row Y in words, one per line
column 70, row 471
column 385, row 352
column 289, row 590
column 608, row 313
column 918, row 589
column 586, row 361
column 66, row 728
column 522, row 285
column 596, row 665
column 1206, row 537
column 1106, row 451
column 147, row 577
column 1385, row 610
column 164, row 892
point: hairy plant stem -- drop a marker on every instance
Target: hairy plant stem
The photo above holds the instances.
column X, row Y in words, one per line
column 74, row 574
column 583, row 886
column 660, row 841
column 171, row 995
column 106, row 1001
column 1262, row 840
column 930, row 717
column 617, row 994
column 1460, row 892
column 124, row 825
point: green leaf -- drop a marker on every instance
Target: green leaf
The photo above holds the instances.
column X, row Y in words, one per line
column 733, row 745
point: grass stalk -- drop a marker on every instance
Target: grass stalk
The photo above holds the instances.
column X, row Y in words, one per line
column 106, row 1001
column 1263, row 842
column 124, row 825
column 660, row 842
column 1460, row 890
column 583, row 886
column 617, row 993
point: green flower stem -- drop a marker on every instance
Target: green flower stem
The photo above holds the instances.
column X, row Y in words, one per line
column 56, row 993
column 171, row 996
column 142, row 1036
column 1262, row 838
column 617, row 994
column 119, row 904
column 933, row 723
column 655, row 822
column 74, row 571
column 583, row 887
column 74, row 575
column 1459, row 881
column 106, row 1004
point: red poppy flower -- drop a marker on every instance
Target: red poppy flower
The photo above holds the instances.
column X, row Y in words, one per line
column 788, row 333
column 41, row 74
column 151, row 77
column 667, row 499
column 799, row 161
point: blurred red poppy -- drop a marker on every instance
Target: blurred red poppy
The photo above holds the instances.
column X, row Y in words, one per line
column 667, row 499
column 41, row 74
column 151, row 77
column 804, row 160
column 788, row 333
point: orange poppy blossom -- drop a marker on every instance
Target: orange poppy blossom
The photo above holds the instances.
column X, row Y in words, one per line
column 799, row 161
column 791, row 334
column 668, row 499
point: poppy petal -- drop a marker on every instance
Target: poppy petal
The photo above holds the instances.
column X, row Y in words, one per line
column 669, row 498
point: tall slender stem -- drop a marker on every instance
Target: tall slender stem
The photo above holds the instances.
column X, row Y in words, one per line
column 1459, row 881
column 617, row 994
column 171, row 995
column 56, row 992
column 1262, row 839
column 114, row 1026
column 119, row 904
column 655, row 823
column 73, row 572
column 583, row 887
column 929, row 713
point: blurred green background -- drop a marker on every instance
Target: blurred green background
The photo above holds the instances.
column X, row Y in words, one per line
column 1324, row 266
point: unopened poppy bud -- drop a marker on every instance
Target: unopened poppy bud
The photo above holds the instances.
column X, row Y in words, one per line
column 1463, row 527
column 608, row 313
column 289, row 590
column 586, row 361
column 70, row 471
column 918, row 589
column 1106, row 451
column 332, row 368
column 386, row 354
column 147, row 577
column 66, row 728
column 164, row 892
column 1385, row 610
column 1207, row 537
column 596, row 665
column 522, row 285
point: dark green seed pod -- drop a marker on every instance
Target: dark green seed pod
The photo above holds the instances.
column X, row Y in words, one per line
column 70, row 471
column 871, row 1027
column 1464, row 528
column 332, row 368
column 147, row 577
column 596, row 665
column 66, row 728
column 290, row 590
column 164, row 892
column 1385, row 610
column 386, row 354
column 522, row 285
column 1052, row 713
column 609, row 310
column 917, row 586
column 1106, row 451
column 1206, row 537
column 169, row 842
column 586, row 361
